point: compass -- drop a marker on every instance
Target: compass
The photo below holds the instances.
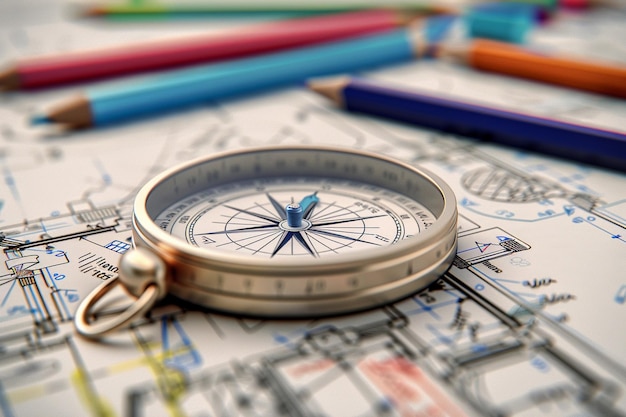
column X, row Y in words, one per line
column 283, row 232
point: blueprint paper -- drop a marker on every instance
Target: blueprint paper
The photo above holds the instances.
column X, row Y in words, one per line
column 529, row 321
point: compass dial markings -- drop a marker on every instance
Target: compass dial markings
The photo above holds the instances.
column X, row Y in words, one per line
column 300, row 238
column 325, row 232
column 243, row 229
column 273, row 236
column 338, row 244
column 279, row 209
column 320, row 213
column 241, row 221
column 252, row 213
column 247, row 216
column 331, row 222
column 340, row 211
column 263, row 236
column 312, row 238
column 286, row 237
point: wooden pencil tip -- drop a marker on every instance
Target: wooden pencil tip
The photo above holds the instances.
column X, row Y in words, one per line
column 407, row 16
column 93, row 11
column 451, row 52
column 75, row 113
column 9, row 80
column 330, row 88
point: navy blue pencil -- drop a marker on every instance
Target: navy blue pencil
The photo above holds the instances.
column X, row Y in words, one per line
column 566, row 140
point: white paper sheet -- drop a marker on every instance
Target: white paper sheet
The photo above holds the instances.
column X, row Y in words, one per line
column 528, row 322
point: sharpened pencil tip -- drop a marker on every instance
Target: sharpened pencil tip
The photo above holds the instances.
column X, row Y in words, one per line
column 92, row 12
column 39, row 119
column 9, row 79
column 330, row 88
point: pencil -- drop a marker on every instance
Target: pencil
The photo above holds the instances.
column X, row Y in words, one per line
column 256, row 39
column 580, row 143
column 583, row 4
column 184, row 88
column 236, row 9
column 503, row 58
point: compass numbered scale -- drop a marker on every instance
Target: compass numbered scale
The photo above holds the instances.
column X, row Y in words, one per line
column 285, row 232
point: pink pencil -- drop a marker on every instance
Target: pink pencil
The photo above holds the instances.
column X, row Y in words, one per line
column 257, row 39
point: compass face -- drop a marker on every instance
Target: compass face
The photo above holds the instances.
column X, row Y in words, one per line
column 294, row 217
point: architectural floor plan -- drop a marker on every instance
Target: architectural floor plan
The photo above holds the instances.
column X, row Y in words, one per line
column 529, row 320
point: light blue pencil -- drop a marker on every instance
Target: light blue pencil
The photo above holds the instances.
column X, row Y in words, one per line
column 184, row 88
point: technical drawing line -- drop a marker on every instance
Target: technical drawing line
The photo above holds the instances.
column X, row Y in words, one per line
column 94, row 243
column 9, row 291
column 105, row 176
column 557, row 327
column 60, row 300
column 174, row 358
column 457, row 283
column 512, row 219
column 9, row 180
column 591, row 397
column 5, row 404
column 490, row 351
column 8, row 279
column 37, row 308
column 363, row 386
column 613, row 204
column 471, row 249
column 84, row 386
column 427, row 308
column 329, row 375
column 440, row 337
column 61, row 238
column 613, row 235
column 289, row 399
column 172, row 380
column 510, row 281
column 86, row 256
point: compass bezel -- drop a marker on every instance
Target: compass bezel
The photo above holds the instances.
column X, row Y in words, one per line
column 285, row 287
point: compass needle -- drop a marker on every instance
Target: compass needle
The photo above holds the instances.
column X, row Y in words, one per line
column 247, row 231
column 308, row 203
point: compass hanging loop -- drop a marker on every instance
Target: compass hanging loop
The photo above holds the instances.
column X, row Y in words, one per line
column 143, row 275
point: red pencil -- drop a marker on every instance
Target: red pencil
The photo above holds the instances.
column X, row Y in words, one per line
column 257, row 39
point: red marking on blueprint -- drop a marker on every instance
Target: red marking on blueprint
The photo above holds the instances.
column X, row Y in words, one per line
column 311, row 367
column 408, row 388
column 482, row 247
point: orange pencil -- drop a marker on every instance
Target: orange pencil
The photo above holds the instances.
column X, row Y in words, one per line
column 504, row 58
